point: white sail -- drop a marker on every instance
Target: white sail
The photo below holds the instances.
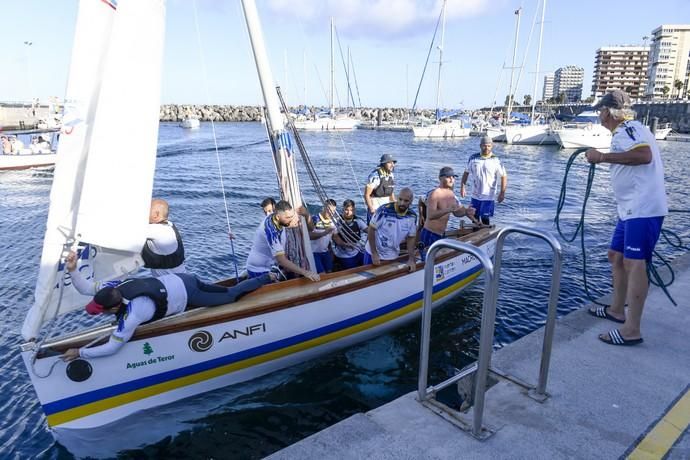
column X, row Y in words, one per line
column 117, row 53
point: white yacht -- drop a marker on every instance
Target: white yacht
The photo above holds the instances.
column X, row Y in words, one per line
column 190, row 123
column 585, row 130
column 529, row 135
column 28, row 149
column 328, row 123
column 662, row 131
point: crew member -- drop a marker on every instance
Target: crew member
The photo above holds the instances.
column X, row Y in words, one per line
column 380, row 188
column 163, row 252
column 347, row 240
column 321, row 237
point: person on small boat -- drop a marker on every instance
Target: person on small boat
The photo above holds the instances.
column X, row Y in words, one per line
column 392, row 223
column 137, row 301
column 637, row 180
column 268, row 205
column 321, row 237
column 440, row 204
column 380, row 188
column 268, row 247
column 486, row 171
column 5, row 145
column 163, row 252
column 345, row 241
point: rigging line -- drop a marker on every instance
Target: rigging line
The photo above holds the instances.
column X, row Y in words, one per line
column 311, row 171
column 311, row 55
column 426, row 63
column 354, row 77
column 342, row 58
column 215, row 140
column 524, row 57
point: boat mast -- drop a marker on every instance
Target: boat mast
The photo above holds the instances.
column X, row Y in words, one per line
column 279, row 136
column 509, row 108
column 536, row 72
column 332, row 71
column 440, row 59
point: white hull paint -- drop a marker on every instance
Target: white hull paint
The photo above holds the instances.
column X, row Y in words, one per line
column 596, row 137
column 661, row 133
column 328, row 124
column 158, row 370
column 8, row 162
column 497, row 134
column 190, row 123
column 441, row 130
column 529, row 135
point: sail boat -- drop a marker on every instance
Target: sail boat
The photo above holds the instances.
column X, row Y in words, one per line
column 443, row 127
column 331, row 121
column 534, row 133
column 202, row 349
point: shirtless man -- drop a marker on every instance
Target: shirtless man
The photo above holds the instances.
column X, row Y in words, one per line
column 441, row 203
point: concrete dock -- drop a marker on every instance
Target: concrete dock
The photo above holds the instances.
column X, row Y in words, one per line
column 606, row 401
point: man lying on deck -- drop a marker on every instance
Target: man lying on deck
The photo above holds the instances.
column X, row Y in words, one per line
column 136, row 301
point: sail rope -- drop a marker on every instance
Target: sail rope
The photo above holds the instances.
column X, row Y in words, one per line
column 204, row 74
column 670, row 237
column 345, row 232
column 347, row 74
column 426, row 63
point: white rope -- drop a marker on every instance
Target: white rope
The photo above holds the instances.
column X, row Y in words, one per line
column 215, row 139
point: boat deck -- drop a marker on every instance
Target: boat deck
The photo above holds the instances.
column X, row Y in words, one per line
column 268, row 298
column 606, row 401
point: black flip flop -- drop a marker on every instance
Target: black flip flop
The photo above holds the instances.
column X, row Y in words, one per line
column 603, row 314
column 614, row 337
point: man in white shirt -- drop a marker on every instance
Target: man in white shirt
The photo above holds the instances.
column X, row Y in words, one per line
column 135, row 301
column 268, row 247
column 637, row 178
column 486, row 171
column 348, row 239
column 163, row 252
column 392, row 223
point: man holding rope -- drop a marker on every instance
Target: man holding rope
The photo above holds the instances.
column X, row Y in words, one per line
column 637, row 178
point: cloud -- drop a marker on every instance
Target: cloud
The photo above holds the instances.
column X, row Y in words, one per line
column 376, row 18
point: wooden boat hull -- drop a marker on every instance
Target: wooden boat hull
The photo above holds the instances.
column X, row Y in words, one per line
column 206, row 349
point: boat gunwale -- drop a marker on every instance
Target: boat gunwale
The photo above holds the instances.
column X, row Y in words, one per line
column 205, row 316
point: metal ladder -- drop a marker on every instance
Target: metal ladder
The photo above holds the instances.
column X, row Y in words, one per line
column 480, row 369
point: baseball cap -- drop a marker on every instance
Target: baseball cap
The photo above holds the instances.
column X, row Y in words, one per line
column 486, row 140
column 108, row 297
column 387, row 158
column 616, row 99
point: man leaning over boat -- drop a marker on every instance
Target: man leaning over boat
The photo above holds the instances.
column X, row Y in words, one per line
column 268, row 247
column 136, row 301
column 392, row 223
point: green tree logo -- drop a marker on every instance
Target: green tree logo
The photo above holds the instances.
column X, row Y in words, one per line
column 147, row 349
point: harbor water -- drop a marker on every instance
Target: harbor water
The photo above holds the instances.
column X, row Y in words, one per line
column 256, row 418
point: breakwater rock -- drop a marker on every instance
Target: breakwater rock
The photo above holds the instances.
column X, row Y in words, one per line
column 175, row 112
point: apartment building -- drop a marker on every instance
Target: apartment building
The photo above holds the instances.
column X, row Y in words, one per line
column 547, row 91
column 569, row 80
column 621, row 67
column 669, row 62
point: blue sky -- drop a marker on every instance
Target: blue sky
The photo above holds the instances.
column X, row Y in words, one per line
column 388, row 40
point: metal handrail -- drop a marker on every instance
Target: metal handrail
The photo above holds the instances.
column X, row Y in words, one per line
column 488, row 317
column 492, row 274
column 550, row 325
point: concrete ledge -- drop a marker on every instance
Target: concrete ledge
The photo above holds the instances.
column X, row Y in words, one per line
column 603, row 397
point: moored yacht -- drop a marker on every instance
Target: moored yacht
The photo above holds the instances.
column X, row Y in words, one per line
column 585, row 130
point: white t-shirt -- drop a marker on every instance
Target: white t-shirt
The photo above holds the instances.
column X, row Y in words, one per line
column 321, row 225
column 345, row 252
column 139, row 310
column 269, row 242
column 161, row 239
column 485, row 174
column 391, row 229
column 639, row 189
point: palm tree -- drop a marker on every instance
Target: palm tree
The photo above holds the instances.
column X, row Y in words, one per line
column 665, row 90
column 678, row 84
column 527, row 100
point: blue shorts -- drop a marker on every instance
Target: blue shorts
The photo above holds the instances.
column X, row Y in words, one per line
column 367, row 260
column 636, row 238
column 350, row 262
column 252, row 274
column 483, row 207
column 323, row 261
column 427, row 238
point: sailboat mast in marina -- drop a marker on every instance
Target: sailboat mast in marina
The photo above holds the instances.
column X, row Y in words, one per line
column 443, row 127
